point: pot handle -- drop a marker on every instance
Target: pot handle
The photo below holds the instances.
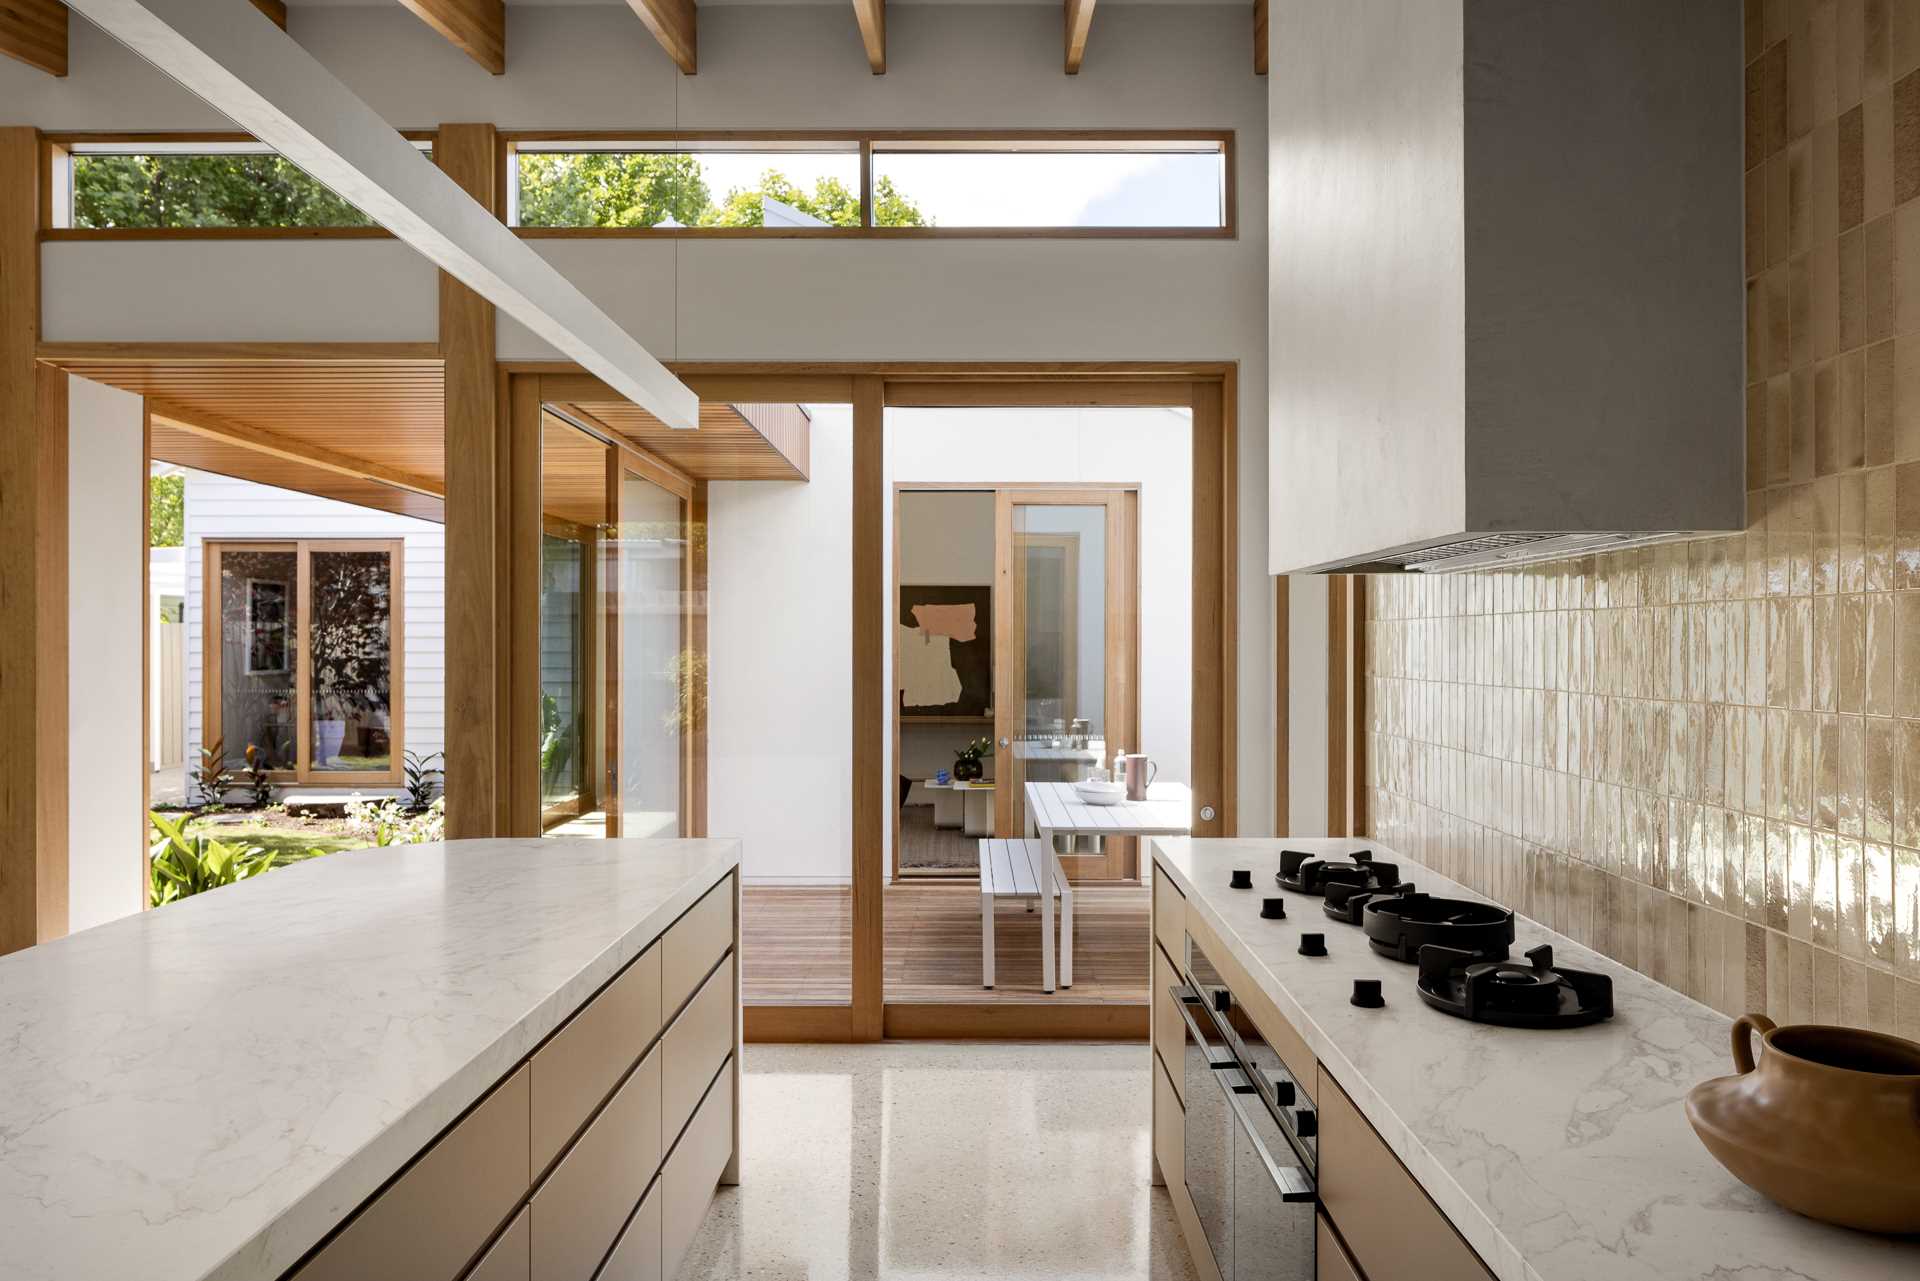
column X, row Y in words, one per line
column 1743, row 1029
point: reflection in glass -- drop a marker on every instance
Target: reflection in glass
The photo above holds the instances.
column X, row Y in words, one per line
column 1060, row 617
column 352, row 638
column 658, row 683
column 259, row 653
column 562, row 675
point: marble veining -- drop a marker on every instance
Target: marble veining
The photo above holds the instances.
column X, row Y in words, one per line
column 205, row 1090
column 1560, row 1156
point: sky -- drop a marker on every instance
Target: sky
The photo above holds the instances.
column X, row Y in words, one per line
column 974, row 189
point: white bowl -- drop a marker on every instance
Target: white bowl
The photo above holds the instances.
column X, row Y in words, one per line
column 1101, row 793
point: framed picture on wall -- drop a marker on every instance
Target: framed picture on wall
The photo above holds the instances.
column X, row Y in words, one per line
column 268, row 653
column 944, row 658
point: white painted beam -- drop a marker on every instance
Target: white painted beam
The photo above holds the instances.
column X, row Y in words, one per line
column 254, row 74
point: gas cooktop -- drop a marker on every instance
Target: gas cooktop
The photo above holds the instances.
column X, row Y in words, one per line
column 1536, row 994
column 1306, row 873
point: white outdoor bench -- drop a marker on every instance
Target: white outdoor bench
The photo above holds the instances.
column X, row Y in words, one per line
column 1015, row 869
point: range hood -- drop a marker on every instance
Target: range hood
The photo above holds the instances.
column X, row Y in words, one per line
column 1506, row 301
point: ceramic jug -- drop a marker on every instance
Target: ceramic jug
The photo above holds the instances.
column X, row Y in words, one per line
column 1139, row 775
column 1827, row 1122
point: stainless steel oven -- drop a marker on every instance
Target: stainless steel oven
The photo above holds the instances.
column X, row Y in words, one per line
column 1251, row 1137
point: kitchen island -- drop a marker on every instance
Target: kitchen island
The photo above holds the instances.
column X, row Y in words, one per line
column 431, row 1061
column 1554, row 1155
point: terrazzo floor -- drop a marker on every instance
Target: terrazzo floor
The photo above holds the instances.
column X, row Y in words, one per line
column 933, row 1160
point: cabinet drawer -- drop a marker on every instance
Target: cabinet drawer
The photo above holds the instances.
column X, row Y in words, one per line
column 1381, row 1212
column 432, row 1220
column 695, row 1047
column 694, row 943
column 574, row 1070
column 1169, row 915
column 1169, row 1126
column 509, row 1259
column 579, row 1210
column 636, row 1257
column 1169, row 1033
column 692, row 1172
column 1330, row 1261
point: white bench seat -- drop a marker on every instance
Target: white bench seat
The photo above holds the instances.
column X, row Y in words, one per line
column 1018, row 869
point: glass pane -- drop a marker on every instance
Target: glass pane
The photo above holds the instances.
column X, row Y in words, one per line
column 1060, row 587
column 259, row 654
column 573, row 757
column 659, row 681
column 351, row 623
column 228, row 190
column 1127, row 188
column 562, row 676
column 690, row 188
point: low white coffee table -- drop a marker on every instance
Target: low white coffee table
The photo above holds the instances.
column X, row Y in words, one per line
column 974, row 801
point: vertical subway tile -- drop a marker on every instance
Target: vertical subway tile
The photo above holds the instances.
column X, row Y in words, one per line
column 1878, row 253
column 1877, row 795
column 1906, row 138
column 1778, row 964
column 1906, row 662
column 1850, row 899
column 1849, row 38
column 1799, row 883
column 1907, row 1010
column 1877, row 886
column 1801, row 1007
column 1824, row 896
column 1826, row 986
column 1878, row 427
column 1881, row 987
column 1904, row 922
column 1877, row 151
column 1878, row 693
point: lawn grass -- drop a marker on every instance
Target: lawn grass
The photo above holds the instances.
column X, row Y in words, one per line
column 288, row 846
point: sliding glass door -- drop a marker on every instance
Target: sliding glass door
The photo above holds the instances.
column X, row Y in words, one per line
column 659, row 684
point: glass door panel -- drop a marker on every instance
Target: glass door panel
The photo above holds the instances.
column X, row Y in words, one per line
column 259, row 660
column 659, row 679
column 572, row 755
column 350, row 621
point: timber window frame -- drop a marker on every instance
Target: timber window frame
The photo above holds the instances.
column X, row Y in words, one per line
column 299, row 627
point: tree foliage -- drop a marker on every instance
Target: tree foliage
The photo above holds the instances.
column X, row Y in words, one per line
column 203, row 191
column 167, row 511
column 605, row 189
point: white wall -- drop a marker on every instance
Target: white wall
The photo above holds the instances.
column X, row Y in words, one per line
column 780, row 628
column 789, row 67
column 106, row 691
column 946, row 538
column 222, row 507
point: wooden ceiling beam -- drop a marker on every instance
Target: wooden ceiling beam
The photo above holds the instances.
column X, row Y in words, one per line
column 872, row 17
column 35, row 32
column 1259, row 37
column 275, row 9
column 477, row 28
column 1079, row 17
column 675, row 24
column 213, row 427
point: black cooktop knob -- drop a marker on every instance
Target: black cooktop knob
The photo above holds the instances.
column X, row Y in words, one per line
column 1242, row 879
column 1366, row 994
column 1313, row 945
column 1273, row 909
column 1282, row 1093
column 1305, row 1123
column 1363, row 857
column 1223, row 1000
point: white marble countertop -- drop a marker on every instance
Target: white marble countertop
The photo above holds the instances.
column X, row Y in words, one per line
column 1560, row 1156
column 205, row 1090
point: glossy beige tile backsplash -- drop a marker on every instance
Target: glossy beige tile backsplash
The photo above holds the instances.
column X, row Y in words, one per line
column 1701, row 759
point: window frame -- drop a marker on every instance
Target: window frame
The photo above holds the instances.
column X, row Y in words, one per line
column 867, row 142
column 213, row 664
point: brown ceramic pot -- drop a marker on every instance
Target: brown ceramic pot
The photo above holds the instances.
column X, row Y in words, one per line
column 1827, row 1123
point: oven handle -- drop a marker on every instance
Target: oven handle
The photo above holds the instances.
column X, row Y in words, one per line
column 1293, row 1185
column 1219, row 1059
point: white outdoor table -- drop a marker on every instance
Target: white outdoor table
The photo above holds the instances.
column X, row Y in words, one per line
column 1054, row 809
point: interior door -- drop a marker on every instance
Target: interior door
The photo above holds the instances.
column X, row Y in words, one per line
column 1065, row 652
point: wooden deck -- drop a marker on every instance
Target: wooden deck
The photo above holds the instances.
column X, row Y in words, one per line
column 796, row 945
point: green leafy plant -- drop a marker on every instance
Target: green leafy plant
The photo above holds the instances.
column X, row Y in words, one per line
column 389, row 824
column 212, row 780
column 556, row 743
column 257, row 778
column 184, row 865
column 422, row 777
column 167, row 510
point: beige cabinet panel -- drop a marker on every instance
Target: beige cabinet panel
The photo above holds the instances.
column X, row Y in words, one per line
column 695, row 1046
column 1169, row 1126
column 509, row 1258
column 1381, row 1212
column 1169, row 915
column 1330, row 1259
column 692, row 1172
column 694, row 943
column 636, row 1257
column 436, row 1216
column 579, row 1210
column 581, row 1062
column 1169, row 1033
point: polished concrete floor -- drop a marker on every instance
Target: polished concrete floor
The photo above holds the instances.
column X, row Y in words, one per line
column 932, row 1160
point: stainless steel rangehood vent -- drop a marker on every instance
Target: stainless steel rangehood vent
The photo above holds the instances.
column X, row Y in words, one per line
column 1506, row 305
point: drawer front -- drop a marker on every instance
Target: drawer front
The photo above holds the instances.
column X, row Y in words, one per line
column 695, row 1047
column 637, row 1255
column 1169, row 1033
column 1169, row 1127
column 1393, row 1229
column 1169, row 914
column 579, row 1210
column 574, row 1070
column 694, row 943
column 510, row 1258
column 435, row 1218
column 1330, row 1261
column 692, row 1172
